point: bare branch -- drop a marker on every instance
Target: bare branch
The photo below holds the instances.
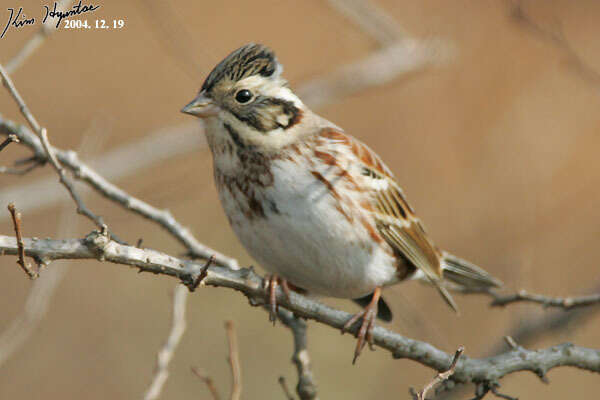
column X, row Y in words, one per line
column 112, row 192
column 307, row 387
column 565, row 303
column 36, row 40
column 440, row 377
column 371, row 19
column 168, row 350
column 49, row 150
column 16, row 218
column 209, row 383
column 234, row 361
column 100, row 247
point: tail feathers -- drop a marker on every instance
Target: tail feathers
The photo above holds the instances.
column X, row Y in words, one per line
column 462, row 275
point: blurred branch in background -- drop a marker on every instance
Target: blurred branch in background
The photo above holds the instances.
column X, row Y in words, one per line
column 36, row 40
column 566, row 303
column 165, row 355
column 373, row 20
column 234, row 365
column 556, row 37
column 484, row 372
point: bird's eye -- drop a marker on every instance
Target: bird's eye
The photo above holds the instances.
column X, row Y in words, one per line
column 243, row 96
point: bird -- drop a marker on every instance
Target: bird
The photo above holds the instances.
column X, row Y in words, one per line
column 313, row 205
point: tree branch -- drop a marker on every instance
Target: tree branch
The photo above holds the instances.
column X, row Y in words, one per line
column 166, row 353
column 565, row 303
column 112, row 192
column 100, row 247
column 307, row 387
column 440, row 377
column 49, row 150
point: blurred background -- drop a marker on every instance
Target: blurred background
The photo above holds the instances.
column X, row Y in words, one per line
column 496, row 148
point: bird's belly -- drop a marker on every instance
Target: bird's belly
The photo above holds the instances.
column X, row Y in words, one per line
column 301, row 236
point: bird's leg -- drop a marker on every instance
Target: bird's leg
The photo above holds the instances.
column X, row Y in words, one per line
column 365, row 332
column 272, row 281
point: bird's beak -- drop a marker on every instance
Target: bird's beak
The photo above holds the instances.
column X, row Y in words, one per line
column 202, row 106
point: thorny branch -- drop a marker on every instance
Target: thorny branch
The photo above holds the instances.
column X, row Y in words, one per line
column 98, row 246
column 440, row 377
column 166, row 353
column 112, row 192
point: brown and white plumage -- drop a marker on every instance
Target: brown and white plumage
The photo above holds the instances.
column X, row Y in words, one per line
column 309, row 202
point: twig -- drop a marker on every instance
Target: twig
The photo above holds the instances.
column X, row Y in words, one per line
column 565, row 303
column 36, row 40
column 284, row 387
column 48, row 149
column 209, row 383
column 16, row 218
column 371, row 19
column 10, row 139
column 491, row 369
column 440, row 377
column 307, row 387
column 168, row 350
column 234, row 361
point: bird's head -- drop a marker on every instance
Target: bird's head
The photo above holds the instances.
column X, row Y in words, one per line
column 246, row 94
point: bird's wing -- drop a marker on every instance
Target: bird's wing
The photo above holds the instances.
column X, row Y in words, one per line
column 395, row 219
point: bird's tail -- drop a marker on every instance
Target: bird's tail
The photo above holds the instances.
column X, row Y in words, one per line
column 460, row 274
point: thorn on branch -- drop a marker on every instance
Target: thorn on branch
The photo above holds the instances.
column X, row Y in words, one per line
column 284, row 387
column 511, row 342
column 16, row 218
column 10, row 139
column 203, row 273
column 440, row 377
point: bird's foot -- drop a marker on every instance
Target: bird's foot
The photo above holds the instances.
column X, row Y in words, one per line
column 272, row 281
column 365, row 332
